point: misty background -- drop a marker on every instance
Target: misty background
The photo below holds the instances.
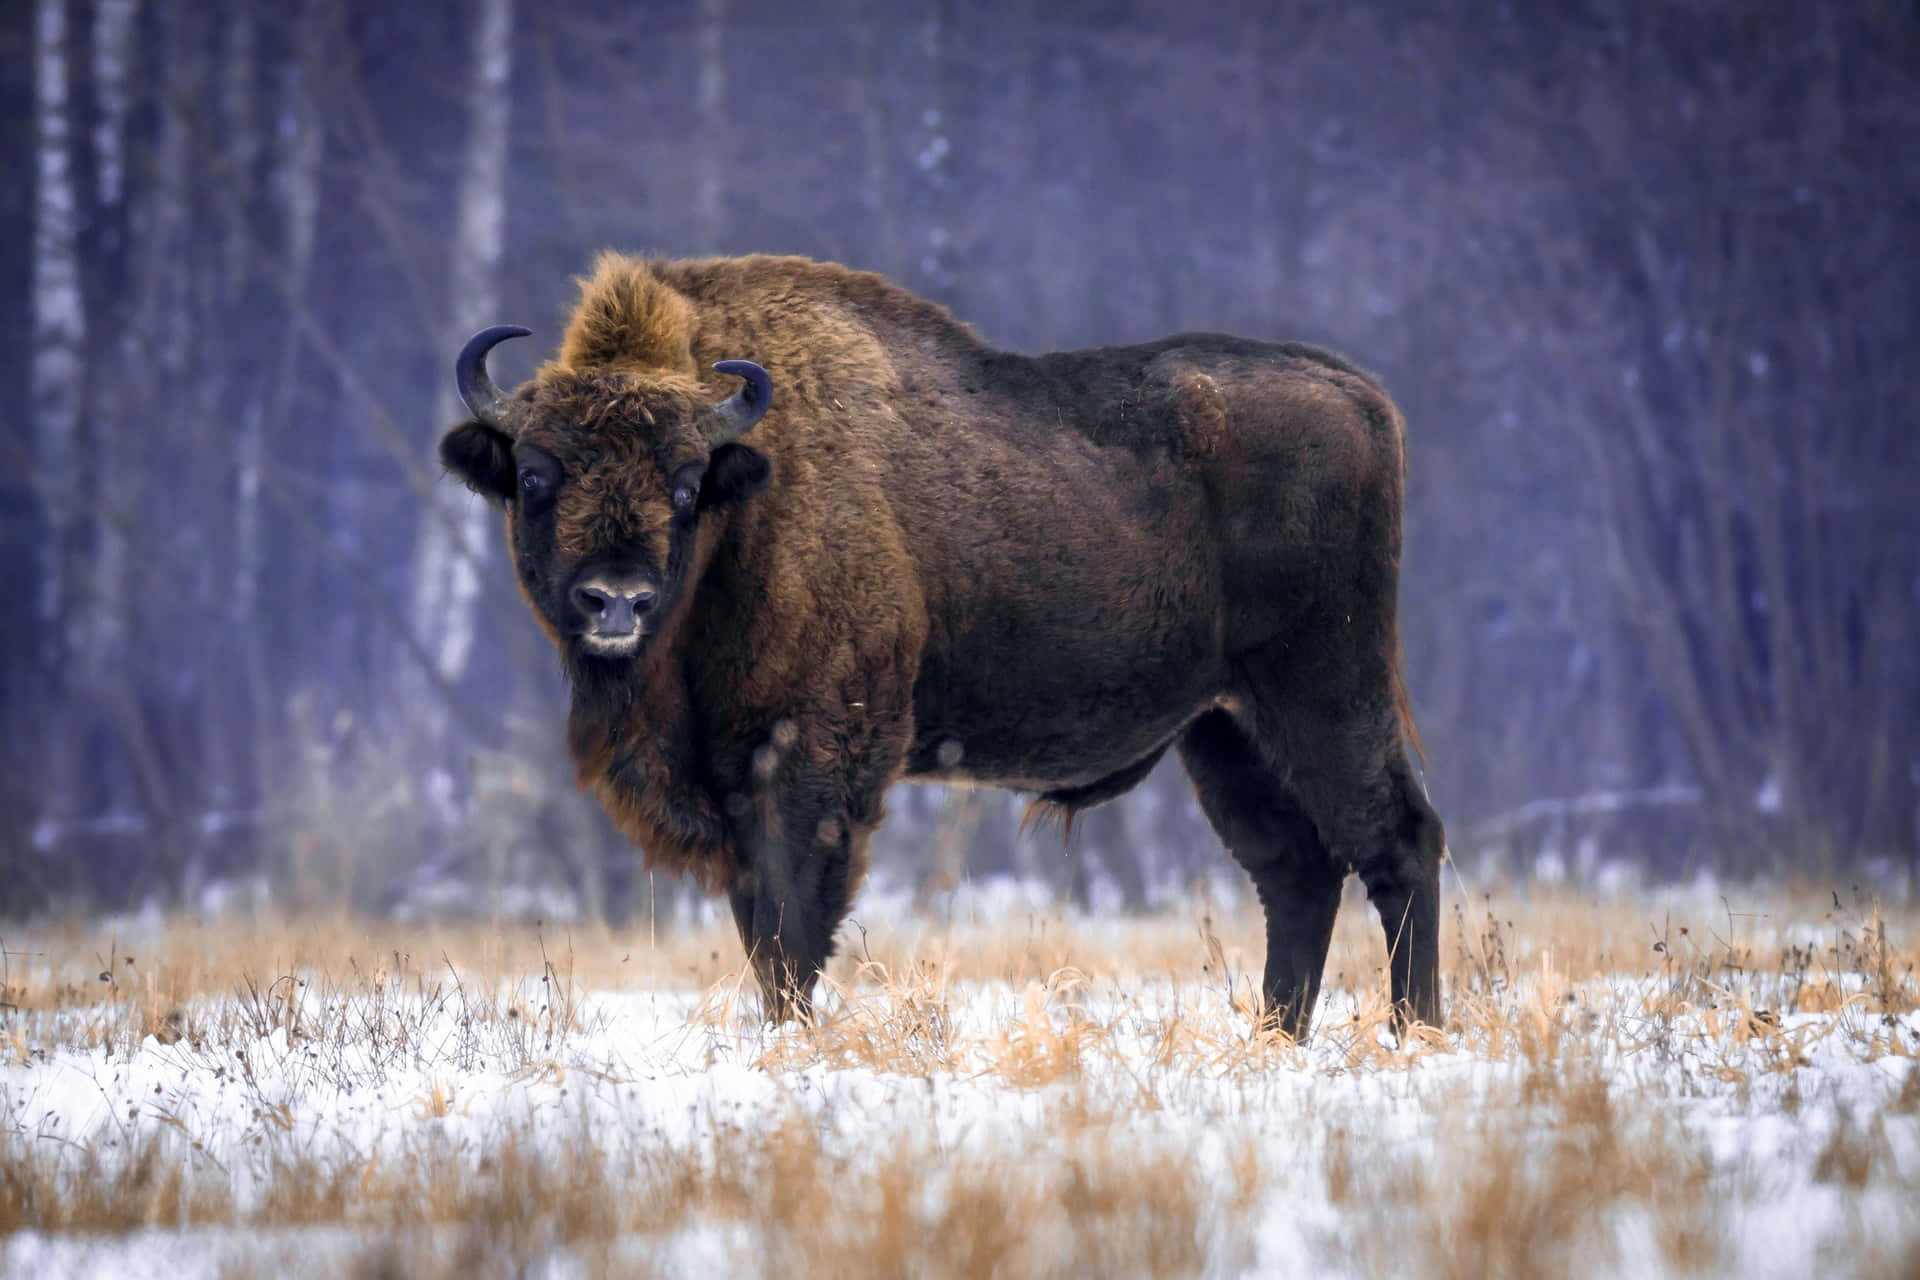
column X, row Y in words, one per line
column 1642, row 276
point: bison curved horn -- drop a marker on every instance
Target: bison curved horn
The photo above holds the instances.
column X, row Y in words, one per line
column 483, row 400
column 735, row 415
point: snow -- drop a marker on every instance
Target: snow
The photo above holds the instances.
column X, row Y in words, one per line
column 672, row 1070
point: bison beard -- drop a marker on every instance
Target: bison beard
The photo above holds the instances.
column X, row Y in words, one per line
column 798, row 534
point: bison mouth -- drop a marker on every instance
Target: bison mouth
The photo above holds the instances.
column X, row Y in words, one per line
column 605, row 646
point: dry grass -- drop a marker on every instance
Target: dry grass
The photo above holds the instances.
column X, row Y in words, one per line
column 1059, row 1208
column 1623, row 1085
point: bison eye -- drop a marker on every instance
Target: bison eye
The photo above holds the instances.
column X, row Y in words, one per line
column 683, row 498
column 532, row 483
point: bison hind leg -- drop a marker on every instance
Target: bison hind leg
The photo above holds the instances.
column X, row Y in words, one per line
column 1403, row 882
column 1258, row 816
column 1347, row 779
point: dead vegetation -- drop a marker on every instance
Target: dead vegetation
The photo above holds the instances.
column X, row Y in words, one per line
column 1622, row 1087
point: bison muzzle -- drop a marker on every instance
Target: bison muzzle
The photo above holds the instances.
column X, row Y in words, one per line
column 798, row 535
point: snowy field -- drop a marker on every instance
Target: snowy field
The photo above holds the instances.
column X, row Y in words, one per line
column 1627, row 1086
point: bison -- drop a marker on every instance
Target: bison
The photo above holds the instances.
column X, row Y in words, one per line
column 799, row 534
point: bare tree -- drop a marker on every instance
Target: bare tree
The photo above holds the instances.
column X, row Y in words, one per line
column 1751, row 564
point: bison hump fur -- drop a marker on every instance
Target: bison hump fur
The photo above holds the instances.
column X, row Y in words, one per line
column 628, row 318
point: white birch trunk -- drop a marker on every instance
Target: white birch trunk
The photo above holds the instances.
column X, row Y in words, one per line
column 59, row 323
column 870, row 99
column 225, row 396
column 162, row 230
column 156, row 341
column 112, row 49
column 453, row 543
column 105, row 626
column 709, row 152
column 56, row 381
column 239, row 118
column 1263, row 257
column 931, row 150
column 295, row 190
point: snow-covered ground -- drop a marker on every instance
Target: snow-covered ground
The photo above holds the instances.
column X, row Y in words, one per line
column 1073, row 1126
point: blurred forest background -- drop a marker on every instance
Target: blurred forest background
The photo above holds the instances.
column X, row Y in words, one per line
column 1642, row 274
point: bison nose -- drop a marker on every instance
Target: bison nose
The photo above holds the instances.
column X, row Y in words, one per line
column 612, row 609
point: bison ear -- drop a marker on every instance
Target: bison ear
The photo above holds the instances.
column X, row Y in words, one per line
column 734, row 473
column 481, row 457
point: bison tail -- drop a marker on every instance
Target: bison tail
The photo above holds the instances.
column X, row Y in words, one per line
column 1403, row 708
column 1044, row 811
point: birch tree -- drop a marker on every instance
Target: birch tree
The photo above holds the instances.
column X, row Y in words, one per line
column 159, row 346
column 57, row 385
column 229, row 394
column 932, row 146
column 452, row 543
column 1263, row 253
column 710, row 156
column 869, row 90
column 113, row 22
column 294, row 192
column 59, row 323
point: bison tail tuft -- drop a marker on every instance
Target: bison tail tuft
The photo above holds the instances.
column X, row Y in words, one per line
column 1044, row 811
column 1403, row 707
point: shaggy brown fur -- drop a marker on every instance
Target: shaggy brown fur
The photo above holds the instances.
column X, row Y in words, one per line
column 936, row 559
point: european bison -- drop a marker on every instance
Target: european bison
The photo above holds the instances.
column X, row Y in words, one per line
column 798, row 534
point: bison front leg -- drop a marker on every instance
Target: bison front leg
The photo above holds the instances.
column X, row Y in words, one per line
column 777, row 942
column 801, row 862
column 814, row 799
column 787, row 906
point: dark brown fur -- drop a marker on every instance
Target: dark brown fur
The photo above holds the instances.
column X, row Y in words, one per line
column 1036, row 572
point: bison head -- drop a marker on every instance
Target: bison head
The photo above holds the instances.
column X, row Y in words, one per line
column 605, row 475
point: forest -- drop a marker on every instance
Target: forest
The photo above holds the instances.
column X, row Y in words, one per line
column 1641, row 275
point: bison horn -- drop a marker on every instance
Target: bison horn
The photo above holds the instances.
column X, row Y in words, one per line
column 732, row 417
column 483, row 400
